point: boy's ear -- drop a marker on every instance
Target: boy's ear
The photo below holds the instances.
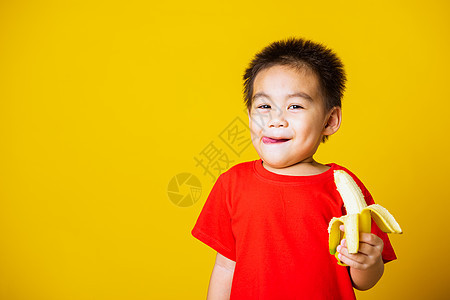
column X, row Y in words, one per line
column 333, row 121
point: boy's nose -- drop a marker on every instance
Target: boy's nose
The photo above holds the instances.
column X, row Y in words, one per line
column 278, row 120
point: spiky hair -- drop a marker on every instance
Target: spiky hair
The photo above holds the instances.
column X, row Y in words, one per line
column 298, row 53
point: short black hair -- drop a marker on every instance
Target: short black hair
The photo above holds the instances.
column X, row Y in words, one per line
column 298, row 53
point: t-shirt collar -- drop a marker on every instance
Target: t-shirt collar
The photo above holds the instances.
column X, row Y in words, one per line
column 274, row 177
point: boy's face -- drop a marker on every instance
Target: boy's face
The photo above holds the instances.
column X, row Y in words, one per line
column 287, row 118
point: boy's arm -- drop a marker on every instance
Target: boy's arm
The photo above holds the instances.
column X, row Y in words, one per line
column 221, row 278
column 366, row 266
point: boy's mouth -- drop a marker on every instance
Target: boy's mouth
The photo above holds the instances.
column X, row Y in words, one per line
column 268, row 140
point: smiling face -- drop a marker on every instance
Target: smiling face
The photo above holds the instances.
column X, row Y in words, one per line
column 288, row 117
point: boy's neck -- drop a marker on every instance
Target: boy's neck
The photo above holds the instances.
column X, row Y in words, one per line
column 305, row 167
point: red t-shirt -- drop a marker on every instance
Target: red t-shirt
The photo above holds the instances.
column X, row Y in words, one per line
column 275, row 228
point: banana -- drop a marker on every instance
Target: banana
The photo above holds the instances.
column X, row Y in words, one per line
column 359, row 216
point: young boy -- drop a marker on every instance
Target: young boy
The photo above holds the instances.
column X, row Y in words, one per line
column 267, row 219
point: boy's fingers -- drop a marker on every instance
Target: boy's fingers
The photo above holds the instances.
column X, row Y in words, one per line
column 371, row 239
column 342, row 227
column 368, row 250
column 349, row 260
column 357, row 257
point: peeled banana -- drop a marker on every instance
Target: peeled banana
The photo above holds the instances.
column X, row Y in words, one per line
column 359, row 216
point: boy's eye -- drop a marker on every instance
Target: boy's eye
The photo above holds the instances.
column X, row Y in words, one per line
column 264, row 106
column 295, row 106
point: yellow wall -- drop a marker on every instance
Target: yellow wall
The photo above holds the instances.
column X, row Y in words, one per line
column 102, row 104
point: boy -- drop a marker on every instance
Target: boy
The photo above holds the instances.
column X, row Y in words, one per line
column 268, row 219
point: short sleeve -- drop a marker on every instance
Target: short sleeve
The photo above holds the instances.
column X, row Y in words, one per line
column 213, row 226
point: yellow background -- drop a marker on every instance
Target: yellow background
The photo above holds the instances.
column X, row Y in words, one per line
column 102, row 103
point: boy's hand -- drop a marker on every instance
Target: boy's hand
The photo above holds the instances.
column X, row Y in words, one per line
column 369, row 254
column 366, row 266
